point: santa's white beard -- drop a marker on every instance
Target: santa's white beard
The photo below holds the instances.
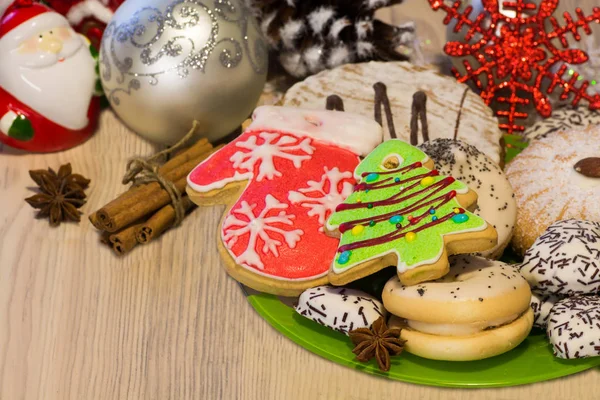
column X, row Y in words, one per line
column 60, row 92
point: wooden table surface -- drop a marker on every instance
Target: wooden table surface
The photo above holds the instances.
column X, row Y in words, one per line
column 164, row 322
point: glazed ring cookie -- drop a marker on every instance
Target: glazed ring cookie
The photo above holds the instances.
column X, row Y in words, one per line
column 541, row 306
column 453, row 109
column 563, row 119
column 547, row 186
column 574, row 327
column 565, row 260
column 479, row 310
column 496, row 200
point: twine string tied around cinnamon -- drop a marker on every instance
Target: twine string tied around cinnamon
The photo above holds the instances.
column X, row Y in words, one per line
column 145, row 170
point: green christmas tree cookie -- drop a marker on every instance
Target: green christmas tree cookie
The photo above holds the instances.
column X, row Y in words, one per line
column 403, row 213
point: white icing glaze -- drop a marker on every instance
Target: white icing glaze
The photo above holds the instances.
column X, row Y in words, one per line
column 495, row 202
column 339, row 308
column 574, row 327
column 541, row 306
column 451, row 106
column 565, row 259
column 321, row 198
column 275, row 145
column 458, row 329
column 261, row 226
column 470, row 278
column 351, row 131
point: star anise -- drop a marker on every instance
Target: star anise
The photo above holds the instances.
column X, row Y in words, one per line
column 62, row 193
column 379, row 341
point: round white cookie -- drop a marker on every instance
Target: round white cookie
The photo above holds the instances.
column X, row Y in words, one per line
column 562, row 119
column 574, row 327
column 565, row 260
column 541, row 306
column 495, row 198
column 339, row 308
column 453, row 109
column 479, row 310
column 476, row 294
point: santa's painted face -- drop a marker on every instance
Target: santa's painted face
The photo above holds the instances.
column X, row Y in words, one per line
column 48, row 47
column 49, row 69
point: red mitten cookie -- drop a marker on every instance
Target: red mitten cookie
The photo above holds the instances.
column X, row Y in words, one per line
column 281, row 179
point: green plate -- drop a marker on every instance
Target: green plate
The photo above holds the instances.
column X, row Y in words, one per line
column 531, row 362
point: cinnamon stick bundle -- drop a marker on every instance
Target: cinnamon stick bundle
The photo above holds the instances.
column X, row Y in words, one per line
column 144, row 212
column 173, row 170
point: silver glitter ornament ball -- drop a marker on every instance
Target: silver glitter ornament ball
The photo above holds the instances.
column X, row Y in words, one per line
column 166, row 63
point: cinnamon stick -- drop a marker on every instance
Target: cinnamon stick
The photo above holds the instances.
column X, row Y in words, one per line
column 162, row 220
column 172, row 170
column 123, row 241
column 132, row 204
column 146, row 203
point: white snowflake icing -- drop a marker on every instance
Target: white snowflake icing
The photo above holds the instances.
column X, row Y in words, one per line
column 259, row 226
column 275, row 145
column 322, row 197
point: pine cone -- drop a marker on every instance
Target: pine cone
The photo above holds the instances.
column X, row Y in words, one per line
column 308, row 36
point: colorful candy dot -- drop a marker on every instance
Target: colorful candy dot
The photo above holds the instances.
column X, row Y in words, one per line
column 372, row 177
column 357, row 230
column 434, row 218
column 456, row 210
column 428, row 181
column 410, row 237
column 372, row 223
column 396, row 219
column 344, row 257
column 358, row 200
column 396, row 180
column 370, row 205
column 460, row 218
column 398, row 226
column 367, row 191
column 432, row 211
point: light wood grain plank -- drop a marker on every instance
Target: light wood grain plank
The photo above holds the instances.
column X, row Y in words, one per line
column 165, row 322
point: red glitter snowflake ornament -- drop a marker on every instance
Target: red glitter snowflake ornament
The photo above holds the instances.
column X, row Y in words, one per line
column 515, row 56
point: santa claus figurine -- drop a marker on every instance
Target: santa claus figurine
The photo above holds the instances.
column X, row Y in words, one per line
column 48, row 80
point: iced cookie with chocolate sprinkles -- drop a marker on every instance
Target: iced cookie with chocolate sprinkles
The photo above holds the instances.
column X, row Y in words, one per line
column 563, row 119
column 339, row 308
column 496, row 200
column 574, row 327
column 480, row 309
column 541, row 306
column 555, row 178
column 565, row 259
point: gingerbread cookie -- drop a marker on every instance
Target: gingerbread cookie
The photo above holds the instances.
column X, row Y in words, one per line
column 281, row 180
column 555, row 178
column 574, row 327
column 495, row 198
column 339, row 308
column 454, row 110
column 565, row 259
column 562, row 119
column 405, row 214
column 479, row 310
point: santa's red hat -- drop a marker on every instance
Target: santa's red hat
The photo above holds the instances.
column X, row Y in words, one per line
column 26, row 17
